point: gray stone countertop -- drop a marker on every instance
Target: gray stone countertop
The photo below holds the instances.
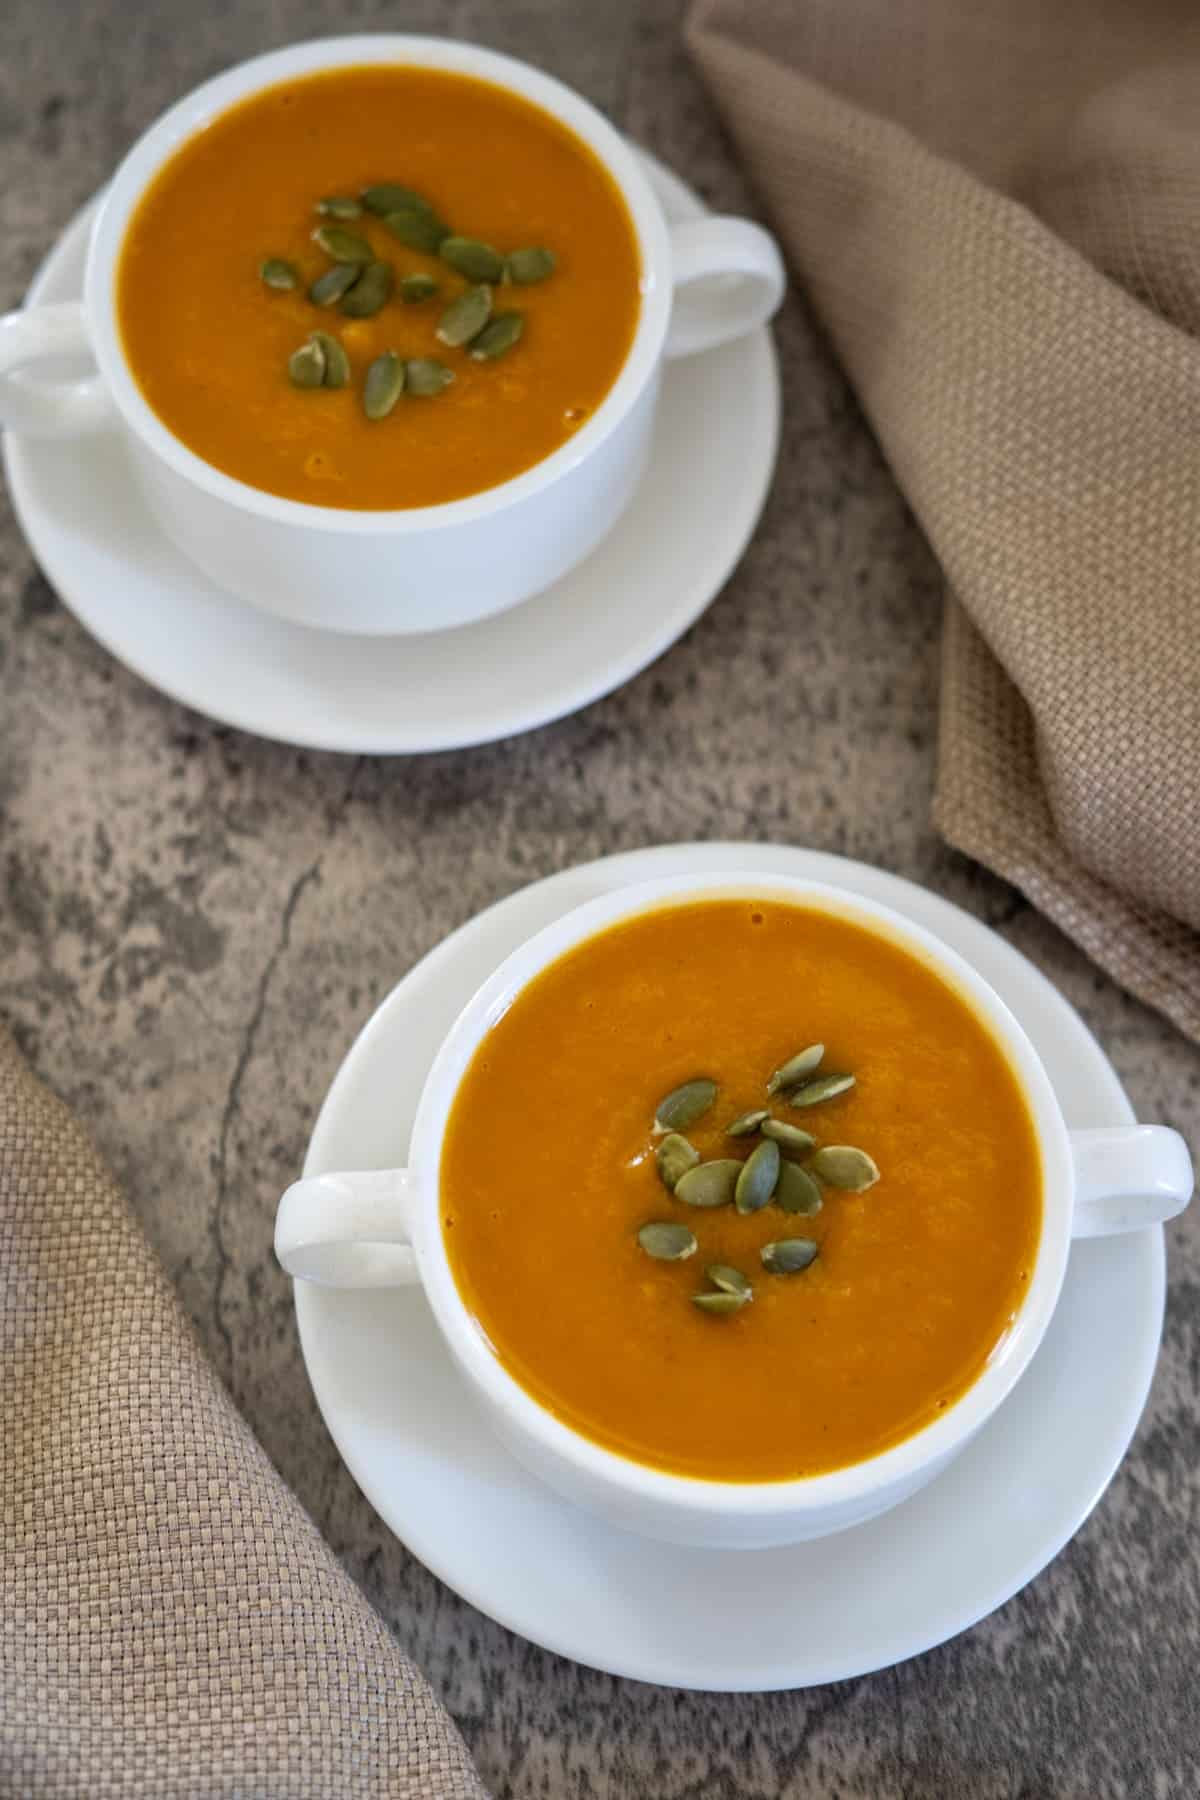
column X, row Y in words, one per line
column 194, row 924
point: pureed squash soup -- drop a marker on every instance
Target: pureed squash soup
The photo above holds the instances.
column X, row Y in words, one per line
column 430, row 379
column 693, row 1312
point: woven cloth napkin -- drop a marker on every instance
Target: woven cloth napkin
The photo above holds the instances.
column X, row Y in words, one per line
column 171, row 1623
column 994, row 206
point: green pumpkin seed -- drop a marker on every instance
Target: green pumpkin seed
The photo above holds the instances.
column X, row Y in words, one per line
column 673, row 1158
column 388, row 197
column 527, row 266
column 371, row 291
column 415, row 288
column 384, row 385
column 842, row 1166
column 497, row 336
column 720, row 1304
column 426, row 376
column 794, row 1070
column 728, row 1279
column 709, row 1183
column 756, row 1183
column 337, row 363
column 788, row 1137
column 420, row 229
column 343, row 246
column 666, row 1241
column 339, row 206
column 329, row 288
column 465, row 317
column 787, row 1256
column 825, row 1087
column 306, row 366
column 747, row 1123
column 797, row 1192
column 477, row 261
column 277, row 274
column 684, row 1105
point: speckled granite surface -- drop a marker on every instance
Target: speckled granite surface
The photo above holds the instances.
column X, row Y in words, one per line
column 193, row 924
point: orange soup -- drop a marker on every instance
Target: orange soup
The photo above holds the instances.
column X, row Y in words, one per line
column 218, row 269
column 920, row 1243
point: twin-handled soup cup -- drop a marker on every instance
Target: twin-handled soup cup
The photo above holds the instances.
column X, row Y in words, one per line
column 423, row 569
column 382, row 1228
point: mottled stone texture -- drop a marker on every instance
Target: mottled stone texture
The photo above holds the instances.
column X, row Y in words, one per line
column 193, row 925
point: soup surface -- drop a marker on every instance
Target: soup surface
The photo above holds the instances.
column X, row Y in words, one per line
column 548, row 1172
column 209, row 342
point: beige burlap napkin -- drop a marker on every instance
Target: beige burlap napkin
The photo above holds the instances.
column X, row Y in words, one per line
column 171, row 1624
column 995, row 208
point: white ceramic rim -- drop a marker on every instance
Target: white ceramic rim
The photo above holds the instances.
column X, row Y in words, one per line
column 207, row 102
column 718, row 1499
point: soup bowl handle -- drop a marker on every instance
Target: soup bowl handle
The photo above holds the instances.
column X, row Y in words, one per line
column 63, row 406
column 728, row 278
column 350, row 1230
column 1127, row 1177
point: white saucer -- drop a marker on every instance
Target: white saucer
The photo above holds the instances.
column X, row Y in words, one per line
column 819, row 1612
column 662, row 565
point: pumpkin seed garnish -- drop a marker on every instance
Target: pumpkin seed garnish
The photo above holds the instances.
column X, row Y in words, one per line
column 465, row 317
column 499, row 335
column 328, row 288
column 788, row 1137
column 747, row 1123
column 673, row 1158
column 796, row 1191
column 842, row 1166
column 337, row 363
column 666, row 1241
column 343, row 246
column 306, row 366
column 384, row 385
column 787, row 1256
column 278, row 274
column 720, row 1304
column 426, row 376
column 527, row 266
column 370, row 292
column 475, row 260
column 418, row 227
column 794, row 1070
column 787, row 1164
column 339, row 206
column 709, row 1183
column 728, row 1279
column 388, row 197
column 415, row 288
column 756, row 1183
column 685, row 1104
column 825, row 1087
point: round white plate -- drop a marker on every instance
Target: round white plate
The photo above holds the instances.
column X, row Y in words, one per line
column 663, row 563
column 411, row 1437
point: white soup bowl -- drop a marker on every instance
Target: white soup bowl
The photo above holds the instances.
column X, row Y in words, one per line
column 409, row 570
column 382, row 1228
